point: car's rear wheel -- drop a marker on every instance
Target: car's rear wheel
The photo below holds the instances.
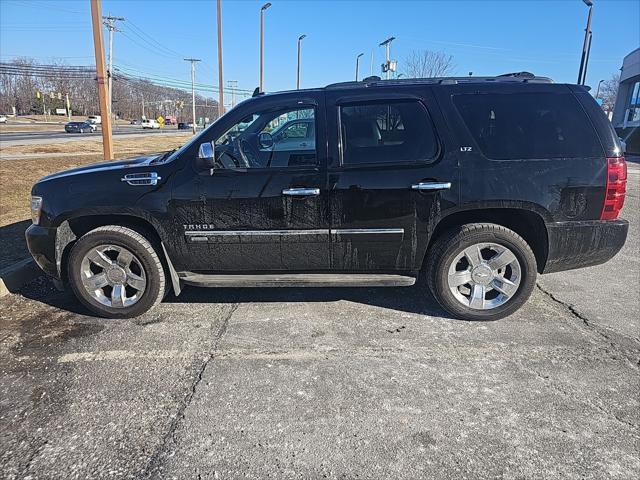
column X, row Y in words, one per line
column 481, row 271
column 115, row 272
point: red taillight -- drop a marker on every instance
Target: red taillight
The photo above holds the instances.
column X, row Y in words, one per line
column 616, row 188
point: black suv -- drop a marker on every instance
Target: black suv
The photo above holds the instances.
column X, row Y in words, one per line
column 479, row 183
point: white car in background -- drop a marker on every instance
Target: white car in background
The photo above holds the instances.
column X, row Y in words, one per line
column 3, row 119
column 151, row 123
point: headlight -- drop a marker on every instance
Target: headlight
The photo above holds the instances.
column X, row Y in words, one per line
column 36, row 208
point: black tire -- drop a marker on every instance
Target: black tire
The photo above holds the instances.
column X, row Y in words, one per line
column 451, row 243
column 156, row 285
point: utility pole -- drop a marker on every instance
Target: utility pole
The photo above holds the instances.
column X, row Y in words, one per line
column 233, row 84
column 109, row 22
column 358, row 64
column 193, row 90
column 300, row 38
column 387, row 67
column 220, row 82
column 585, row 45
column 262, row 10
column 101, row 71
column 68, row 107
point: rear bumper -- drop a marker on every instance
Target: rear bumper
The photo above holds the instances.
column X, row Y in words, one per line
column 583, row 244
column 41, row 242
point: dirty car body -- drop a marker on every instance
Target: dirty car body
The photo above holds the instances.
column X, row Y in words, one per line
column 392, row 173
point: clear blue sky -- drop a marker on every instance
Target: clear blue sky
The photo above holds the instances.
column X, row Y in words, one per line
column 485, row 37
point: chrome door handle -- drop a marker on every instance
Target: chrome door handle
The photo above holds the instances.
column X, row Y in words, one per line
column 431, row 186
column 301, row 192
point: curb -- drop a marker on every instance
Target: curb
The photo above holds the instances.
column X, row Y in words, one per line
column 16, row 276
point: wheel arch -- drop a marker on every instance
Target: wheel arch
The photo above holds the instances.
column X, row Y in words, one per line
column 70, row 230
column 528, row 223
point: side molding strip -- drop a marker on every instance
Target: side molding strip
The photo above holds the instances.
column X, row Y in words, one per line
column 337, row 231
column 356, row 231
column 230, row 233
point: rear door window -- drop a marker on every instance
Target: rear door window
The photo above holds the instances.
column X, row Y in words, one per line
column 386, row 133
column 528, row 125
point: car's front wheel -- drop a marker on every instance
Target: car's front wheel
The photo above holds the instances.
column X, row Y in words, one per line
column 115, row 272
column 481, row 271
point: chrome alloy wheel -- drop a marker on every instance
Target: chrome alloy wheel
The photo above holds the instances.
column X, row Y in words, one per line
column 484, row 276
column 113, row 276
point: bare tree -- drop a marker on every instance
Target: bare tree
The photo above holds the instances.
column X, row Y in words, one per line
column 609, row 92
column 427, row 63
column 22, row 78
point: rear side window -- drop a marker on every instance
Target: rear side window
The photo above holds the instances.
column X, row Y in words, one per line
column 386, row 133
column 528, row 125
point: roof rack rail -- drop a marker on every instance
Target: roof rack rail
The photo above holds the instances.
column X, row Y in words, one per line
column 518, row 74
column 520, row 77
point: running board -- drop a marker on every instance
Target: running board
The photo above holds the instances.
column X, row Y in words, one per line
column 297, row 280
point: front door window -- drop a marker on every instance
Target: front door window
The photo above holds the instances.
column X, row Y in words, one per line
column 269, row 139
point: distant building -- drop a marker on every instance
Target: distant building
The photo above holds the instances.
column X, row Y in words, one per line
column 627, row 108
column 626, row 113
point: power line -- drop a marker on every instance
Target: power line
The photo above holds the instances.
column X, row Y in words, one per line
column 177, row 81
column 40, row 6
column 154, row 41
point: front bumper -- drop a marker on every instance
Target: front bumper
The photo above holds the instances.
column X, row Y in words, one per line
column 583, row 244
column 41, row 242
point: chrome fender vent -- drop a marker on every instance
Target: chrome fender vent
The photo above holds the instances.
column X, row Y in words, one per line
column 147, row 178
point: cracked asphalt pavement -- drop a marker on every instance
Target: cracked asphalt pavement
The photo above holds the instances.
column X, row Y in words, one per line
column 328, row 383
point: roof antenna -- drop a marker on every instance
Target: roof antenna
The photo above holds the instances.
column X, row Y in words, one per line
column 257, row 92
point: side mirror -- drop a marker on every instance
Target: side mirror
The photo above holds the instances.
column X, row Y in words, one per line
column 265, row 140
column 206, row 156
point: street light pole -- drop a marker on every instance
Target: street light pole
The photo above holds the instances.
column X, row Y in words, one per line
column 220, row 83
column 262, row 10
column 585, row 45
column 300, row 38
column 586, row 61
column 193, row 91
column 358, row 64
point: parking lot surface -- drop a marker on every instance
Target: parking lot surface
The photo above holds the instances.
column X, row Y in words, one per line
column 328, row 383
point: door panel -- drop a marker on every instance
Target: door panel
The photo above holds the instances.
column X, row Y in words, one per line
column 247, row 212
column 378, row 220
column 239, row 218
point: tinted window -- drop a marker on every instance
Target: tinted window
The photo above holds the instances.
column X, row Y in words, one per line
column 273, row 138
column 528, row 125
column 386, row 132
column 296, row 130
